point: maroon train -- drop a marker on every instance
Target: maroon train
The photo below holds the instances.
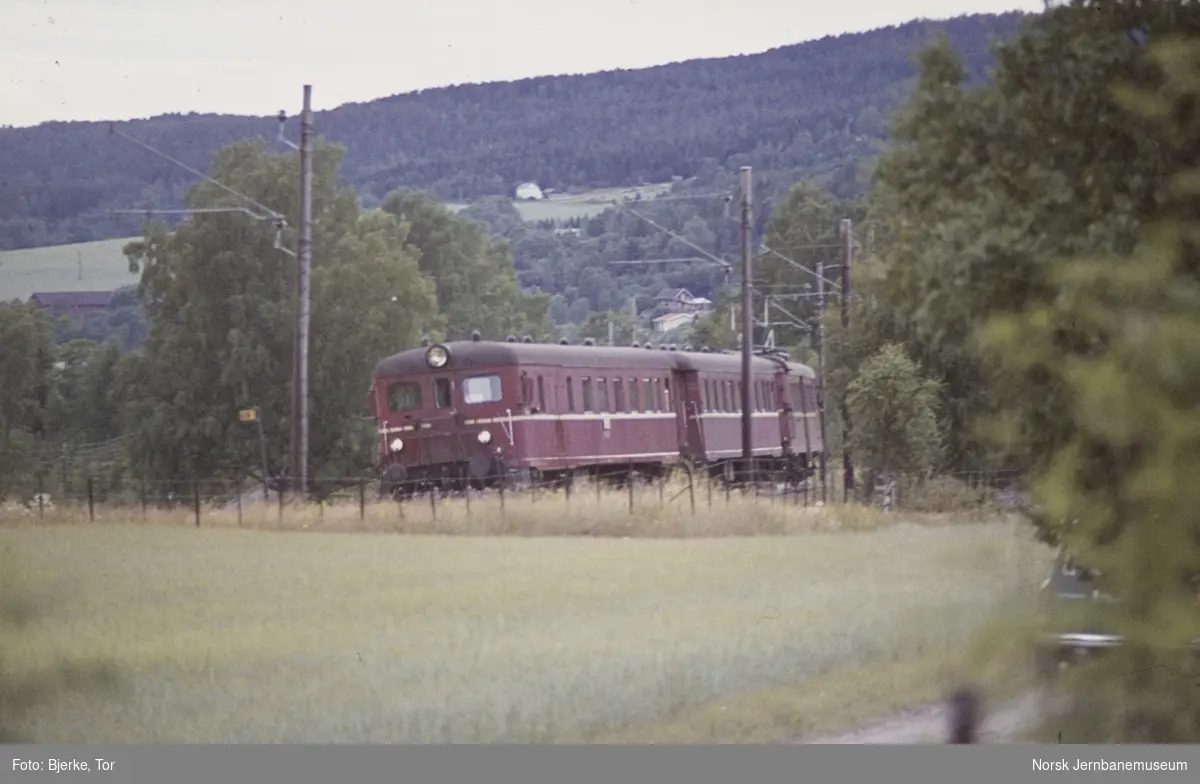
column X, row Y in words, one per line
column 480, row 411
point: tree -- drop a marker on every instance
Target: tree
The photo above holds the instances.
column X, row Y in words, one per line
column 597, row 324
column 983, row 184
column 1117, row 336
column 803, row 231
column 476, row 284
column 894, row 412
column 216, row 288
column 26, row 353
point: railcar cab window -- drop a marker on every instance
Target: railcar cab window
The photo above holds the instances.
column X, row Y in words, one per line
column 443, row 392
column 482, row 389
column 403, row 396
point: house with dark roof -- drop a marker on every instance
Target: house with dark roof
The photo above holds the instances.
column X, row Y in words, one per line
column 680, row 301
column 72, row 302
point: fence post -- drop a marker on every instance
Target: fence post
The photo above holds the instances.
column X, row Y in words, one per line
column 630, row 487
column 503, row 481
column 964, row 716
column 662, row 487
column 240, row 488
column 279, row 495
column 91, row 502
column 143, row 494
column 41, row 501
column 466, row 474
column 196, row 500
column 362, row 499
column 691, row 488
column 709, row 483
column 570, row 482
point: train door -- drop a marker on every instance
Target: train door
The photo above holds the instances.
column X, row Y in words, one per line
column 782, row 404
column 800, row 419
column 686, row 402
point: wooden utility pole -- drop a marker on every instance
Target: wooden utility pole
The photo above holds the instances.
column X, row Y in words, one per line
column 820, row 385
column 300, row 382
column 747, row 320
column 847, row 228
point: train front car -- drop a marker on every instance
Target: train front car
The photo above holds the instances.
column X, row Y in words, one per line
column 444, row 413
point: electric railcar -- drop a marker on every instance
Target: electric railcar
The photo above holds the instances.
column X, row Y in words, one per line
column 484, row 412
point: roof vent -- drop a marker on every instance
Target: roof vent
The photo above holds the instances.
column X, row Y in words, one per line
column 636, row 344
column 564, row 342
column 704, row 349
column 527, row 339
column 589, row 342
column 424, row 341
column 648, row 345
column 662, row 347
column 475, row 336
column 672, row 347
column 687, row 347
column 511, row 339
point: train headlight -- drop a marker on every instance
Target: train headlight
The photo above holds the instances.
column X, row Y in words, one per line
column 484, row 437
column 437, row 356
column 397, row 445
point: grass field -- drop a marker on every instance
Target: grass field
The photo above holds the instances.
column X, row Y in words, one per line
column 257, row 636
column 86, row 266
column 584, row 205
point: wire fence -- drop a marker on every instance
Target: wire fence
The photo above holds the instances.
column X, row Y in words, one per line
column 687, row 493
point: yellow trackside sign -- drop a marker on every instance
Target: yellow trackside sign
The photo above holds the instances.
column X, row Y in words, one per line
column 247, row 415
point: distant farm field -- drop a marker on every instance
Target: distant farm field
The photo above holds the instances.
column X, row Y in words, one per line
column 563, row 207
column 85, row 266
column 253, row 636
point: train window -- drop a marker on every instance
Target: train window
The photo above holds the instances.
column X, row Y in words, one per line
column 703, row 395
column 404, row 396
column 655, row 399
column 587, row 394
column 647, row 396
column 602, row 395
column 633, row 395
column 570, row 395
column 731, row 402
column 541, row 395
column 666, row 394
column 482, row 389
column 618, row 395
column 443, row 392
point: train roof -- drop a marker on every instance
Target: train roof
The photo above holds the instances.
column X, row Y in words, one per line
column 479, row 354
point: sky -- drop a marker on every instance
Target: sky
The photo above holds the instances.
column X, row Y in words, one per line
column 125, row 59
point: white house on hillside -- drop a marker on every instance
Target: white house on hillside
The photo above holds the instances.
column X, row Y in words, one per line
column 529, row 191
column 671, row 321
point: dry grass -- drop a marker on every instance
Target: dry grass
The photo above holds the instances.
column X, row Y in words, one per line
column 249, row 636
column 670, row 511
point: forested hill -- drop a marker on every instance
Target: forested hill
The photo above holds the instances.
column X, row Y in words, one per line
column 805, row 107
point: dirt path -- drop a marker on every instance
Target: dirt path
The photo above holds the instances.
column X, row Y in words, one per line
column 929, row 725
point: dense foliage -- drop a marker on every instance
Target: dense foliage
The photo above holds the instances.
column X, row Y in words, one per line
column 810, row 109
